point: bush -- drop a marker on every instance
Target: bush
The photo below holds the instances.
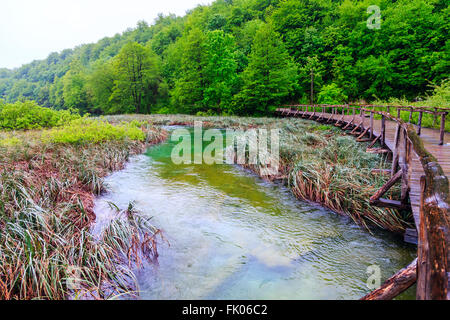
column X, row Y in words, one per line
column 29, row 115
column 89, row 130
column 331, row 94
column 163, row 110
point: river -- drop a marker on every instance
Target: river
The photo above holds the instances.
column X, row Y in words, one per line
column 233, row 236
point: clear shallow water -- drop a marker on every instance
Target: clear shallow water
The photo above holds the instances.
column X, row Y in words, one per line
column 233, row 236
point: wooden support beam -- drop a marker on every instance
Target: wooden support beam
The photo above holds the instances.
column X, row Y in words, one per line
column 396, row 177
column 362, row 135
column 378, row 151
column 388, row 203
column 381, row 171
column 411, row 236
column 373, row 142
column 396, row 284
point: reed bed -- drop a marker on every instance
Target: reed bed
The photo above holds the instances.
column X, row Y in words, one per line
column 47, row 189
column 46, row 210
column 318, row 162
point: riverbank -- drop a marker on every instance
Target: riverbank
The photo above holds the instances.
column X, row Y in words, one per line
column 318, row 162
column 47, row 188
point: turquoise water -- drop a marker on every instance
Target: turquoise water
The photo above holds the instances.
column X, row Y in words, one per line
column 233, row 236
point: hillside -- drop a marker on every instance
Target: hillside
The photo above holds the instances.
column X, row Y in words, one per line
column 246, row 56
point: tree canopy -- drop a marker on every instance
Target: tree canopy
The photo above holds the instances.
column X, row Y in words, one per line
column 247, row 56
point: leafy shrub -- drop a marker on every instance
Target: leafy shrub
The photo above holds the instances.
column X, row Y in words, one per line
column 163, row 110
column 29, row 115
column 208, row 113
column 331, row 94
column 440, row 96
column 89, row 130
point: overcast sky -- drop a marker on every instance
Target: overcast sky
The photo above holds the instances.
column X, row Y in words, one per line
column 32, row 29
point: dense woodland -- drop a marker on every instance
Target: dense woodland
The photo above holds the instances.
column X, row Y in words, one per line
column 245, row 57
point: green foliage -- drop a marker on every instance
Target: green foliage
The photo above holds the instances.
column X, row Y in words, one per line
column 440, row 96
column 137, row 71
column 187, row 95
column 74, row 91
column 163, row 110
column 332, row 94
column 92, row 130
column 213, row 59
column 270, row 75
column 220, row 71
column 29, row 115
column 9, row 142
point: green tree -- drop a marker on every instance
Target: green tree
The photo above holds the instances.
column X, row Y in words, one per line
column 137, row 71
column 270, row 76
column 187, row 95
column 74, row 87
column 220, row 71
column 100, row 86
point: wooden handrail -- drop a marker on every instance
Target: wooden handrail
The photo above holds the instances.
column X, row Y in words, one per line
column 438, row 112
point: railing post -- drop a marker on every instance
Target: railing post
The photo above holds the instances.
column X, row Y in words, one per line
column 435, row 117
column 410, row 115
column 383, row 131
column 442, row 133
column 371, row 125
column 395, row 156
column 362, row 113
column 419, row 123
column 406, row 172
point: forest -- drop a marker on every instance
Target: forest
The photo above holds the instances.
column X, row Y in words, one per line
column 246, row 57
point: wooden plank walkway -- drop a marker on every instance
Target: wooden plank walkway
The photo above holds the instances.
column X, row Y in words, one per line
column 430, row 138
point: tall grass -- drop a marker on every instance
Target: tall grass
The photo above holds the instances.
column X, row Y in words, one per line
column 46, row 210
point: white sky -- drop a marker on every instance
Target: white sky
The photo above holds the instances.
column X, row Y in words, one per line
column 32, row 29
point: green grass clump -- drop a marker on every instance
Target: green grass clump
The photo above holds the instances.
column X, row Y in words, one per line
column 9, row 142
column 90, row 130
column 29, row 115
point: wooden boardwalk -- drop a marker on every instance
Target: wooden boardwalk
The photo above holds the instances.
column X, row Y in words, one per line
column 421, row 163
column 430, row 137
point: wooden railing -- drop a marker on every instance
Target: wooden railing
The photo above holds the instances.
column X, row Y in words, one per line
column 433, row 263
column 354, row 109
